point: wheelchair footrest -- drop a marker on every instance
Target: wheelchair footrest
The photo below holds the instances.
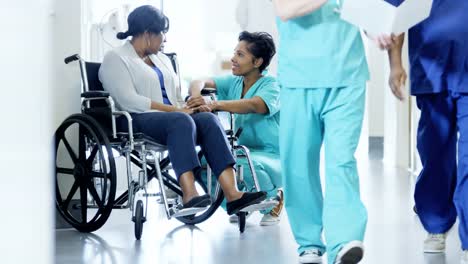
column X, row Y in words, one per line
column 261, row 206
column 170, row 201
column 184, row 212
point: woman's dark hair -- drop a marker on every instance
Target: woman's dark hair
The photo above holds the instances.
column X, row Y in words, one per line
column 261, row 45
column 145, row 18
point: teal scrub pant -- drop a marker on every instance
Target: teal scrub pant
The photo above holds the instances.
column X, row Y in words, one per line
column 309, row 118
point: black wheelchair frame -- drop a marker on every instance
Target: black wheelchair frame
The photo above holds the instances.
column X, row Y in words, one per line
column 93, row 171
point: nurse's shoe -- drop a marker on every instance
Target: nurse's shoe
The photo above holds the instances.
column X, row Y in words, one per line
column 464, row 259
column 435, row 243
column 269, row 220
column 351, row 253
column 311, row 256
column 274, row 216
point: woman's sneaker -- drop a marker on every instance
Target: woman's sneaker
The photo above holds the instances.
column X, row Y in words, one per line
column 274, row 216
column 269, row 220
column 350, row 253
column 311, row 256
column 435, row 243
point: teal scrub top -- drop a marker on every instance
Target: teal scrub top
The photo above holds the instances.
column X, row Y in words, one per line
column 319, row 50
column 260, row 131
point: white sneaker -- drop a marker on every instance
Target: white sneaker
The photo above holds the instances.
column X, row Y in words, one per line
column 350, row 253
column 464, row 259
column 235, row 219
column 311, row 256
column 269, row 220
column 435, row 243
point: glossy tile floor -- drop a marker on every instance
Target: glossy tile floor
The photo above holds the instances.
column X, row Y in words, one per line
column 394, row 234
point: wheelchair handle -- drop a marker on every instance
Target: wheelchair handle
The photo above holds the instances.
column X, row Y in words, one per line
column 71, row 58
column 238, row 132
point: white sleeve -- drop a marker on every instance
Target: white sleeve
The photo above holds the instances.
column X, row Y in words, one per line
column 116, row 79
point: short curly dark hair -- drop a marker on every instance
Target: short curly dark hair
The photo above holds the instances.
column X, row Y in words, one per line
column 261, row 45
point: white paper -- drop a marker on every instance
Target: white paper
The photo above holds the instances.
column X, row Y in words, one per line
column 380, row 17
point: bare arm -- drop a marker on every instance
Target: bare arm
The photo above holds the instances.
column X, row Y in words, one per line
column 394, row 54
column 198, row 85
column 398, row 75
column 289, row 9
column 242, row 106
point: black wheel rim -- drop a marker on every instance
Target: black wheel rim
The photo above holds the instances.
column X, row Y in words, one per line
column 90, row 167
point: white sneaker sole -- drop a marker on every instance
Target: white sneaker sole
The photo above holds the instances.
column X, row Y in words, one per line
column 269, row 223
column 350, row 253
column 309, row 259
column 434, row 251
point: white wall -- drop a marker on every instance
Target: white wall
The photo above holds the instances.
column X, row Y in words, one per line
column 397, row 133
column 202, row 33
column 376, row 89
column 25, row 155
column 38, row 92
column 258, row 15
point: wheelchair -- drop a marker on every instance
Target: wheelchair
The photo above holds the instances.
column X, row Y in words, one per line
column 86, row 147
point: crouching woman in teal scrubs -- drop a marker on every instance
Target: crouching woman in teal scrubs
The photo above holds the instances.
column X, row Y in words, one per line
column 322, row 74
column 254, row 99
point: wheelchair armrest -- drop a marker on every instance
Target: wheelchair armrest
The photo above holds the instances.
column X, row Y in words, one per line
column 129, row 124
column 229, row 132
column 209, row 91
column 94, row 94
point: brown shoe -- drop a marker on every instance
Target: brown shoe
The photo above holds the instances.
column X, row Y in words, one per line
column 276, row 211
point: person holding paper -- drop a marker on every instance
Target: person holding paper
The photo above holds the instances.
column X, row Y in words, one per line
column 438, row 52
column 323, row 73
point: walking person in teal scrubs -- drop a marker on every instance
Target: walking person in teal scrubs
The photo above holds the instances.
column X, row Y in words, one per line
column 322, row 73
column 254, row 99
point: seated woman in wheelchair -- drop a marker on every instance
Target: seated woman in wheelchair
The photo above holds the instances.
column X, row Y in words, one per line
column 142, row 82
column 254, row 98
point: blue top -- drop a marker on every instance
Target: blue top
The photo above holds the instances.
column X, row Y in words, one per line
column 395, row 2
column 438, row 49
column 260, row 132
column 163, row 87
column 320, row 50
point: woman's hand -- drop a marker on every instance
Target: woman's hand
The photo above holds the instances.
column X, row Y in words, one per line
column 397, row 81
column 203, row 108
column 384, row 41
column 196, row 101
column 188, row 111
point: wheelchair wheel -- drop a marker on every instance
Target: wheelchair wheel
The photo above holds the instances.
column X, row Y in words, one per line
column 85, row 174
column 139, row 220
column 242, row 216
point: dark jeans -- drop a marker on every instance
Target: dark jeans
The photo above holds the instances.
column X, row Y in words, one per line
column 181, row 132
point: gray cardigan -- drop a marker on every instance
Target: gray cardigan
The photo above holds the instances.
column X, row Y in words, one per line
column 133, row 84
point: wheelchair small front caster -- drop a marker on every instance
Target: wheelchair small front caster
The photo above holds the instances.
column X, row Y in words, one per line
column 139, row 219
column 242, row 216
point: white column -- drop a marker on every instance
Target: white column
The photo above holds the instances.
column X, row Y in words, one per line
column 397, row 122
column 26, row 155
